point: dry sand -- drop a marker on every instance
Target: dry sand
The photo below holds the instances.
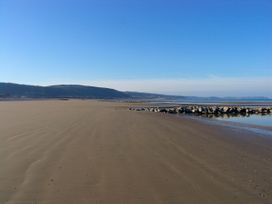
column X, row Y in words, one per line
column 77, row 152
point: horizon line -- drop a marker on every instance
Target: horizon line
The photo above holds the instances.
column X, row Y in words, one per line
column 136, row 91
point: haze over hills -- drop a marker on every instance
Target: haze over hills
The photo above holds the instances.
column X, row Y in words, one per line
column 19, row 91
column 189, row 99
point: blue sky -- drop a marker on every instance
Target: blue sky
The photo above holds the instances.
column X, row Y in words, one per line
column 196, row 47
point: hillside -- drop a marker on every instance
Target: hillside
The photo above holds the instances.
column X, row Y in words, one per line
column 19, row 91
column 10, row 90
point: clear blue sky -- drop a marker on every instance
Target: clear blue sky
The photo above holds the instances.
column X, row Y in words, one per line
column 139, row 44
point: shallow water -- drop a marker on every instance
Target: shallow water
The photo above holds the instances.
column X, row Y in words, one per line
column 264, row 120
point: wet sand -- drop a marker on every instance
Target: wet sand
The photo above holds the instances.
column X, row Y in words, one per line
column 70, row 152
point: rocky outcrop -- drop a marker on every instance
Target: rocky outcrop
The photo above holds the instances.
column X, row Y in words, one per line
column 207, row 110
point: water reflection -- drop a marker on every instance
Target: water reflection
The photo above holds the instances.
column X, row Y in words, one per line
column 259, row 119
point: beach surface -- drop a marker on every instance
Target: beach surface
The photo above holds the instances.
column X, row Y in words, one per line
column 70, row 152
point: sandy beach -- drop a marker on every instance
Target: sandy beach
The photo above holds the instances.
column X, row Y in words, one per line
column 71, row 152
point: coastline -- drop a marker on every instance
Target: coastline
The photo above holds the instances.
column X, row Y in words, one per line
column 256, row 116
column 259, row 129
column 92, row 151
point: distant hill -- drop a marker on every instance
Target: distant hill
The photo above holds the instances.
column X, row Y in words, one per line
column 10, row 90
column 173, row 98
column 19, row 91
column 152, row 96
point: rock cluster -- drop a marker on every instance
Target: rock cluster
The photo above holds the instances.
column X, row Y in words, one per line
column 208, row 110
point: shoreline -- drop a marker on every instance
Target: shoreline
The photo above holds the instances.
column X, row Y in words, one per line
column 262, row 130
column 213, row 118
